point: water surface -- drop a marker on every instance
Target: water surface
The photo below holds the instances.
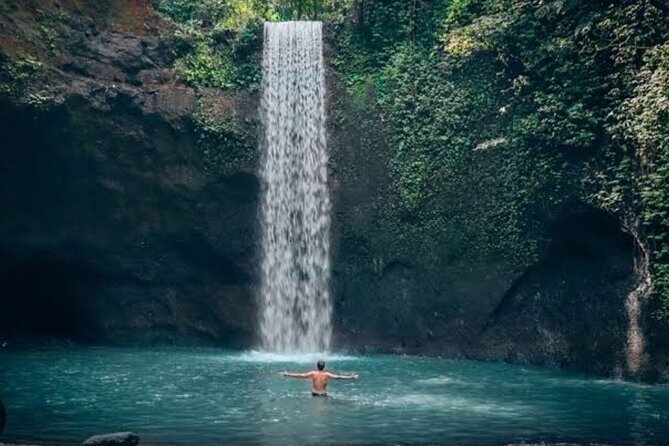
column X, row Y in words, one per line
column 208, row 396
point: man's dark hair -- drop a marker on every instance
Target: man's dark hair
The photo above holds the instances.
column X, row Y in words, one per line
column 320, row 365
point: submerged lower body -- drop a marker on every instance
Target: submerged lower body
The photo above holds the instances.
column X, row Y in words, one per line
column 318, row 394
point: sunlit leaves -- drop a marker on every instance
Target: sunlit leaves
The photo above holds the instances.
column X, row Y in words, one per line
column 218, row 41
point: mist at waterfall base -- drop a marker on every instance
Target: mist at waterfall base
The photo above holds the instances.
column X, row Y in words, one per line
column 205, row 396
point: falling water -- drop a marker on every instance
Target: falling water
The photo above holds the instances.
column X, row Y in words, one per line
column 294, row 297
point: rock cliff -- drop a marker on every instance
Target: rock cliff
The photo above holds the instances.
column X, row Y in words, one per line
column 130, row 204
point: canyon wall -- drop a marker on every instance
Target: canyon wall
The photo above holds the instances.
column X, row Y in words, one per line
column 130, row 207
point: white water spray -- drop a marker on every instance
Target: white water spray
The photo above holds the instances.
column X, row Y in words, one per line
column 295, row 307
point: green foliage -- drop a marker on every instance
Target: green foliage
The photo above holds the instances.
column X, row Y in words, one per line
column 18, row 75
column 219, row 41
column 24, row 68
column 206, row 66
column 301, row 9
column 200, row 11
column 479, row 36
column 460, row 13
column 449, row 146
column 501, row 112
column 367, row 33
column 226, row 145
column 634, row 182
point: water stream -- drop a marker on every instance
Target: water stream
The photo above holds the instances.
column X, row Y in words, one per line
column 295, row 214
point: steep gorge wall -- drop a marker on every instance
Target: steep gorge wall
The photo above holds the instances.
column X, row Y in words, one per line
column 498, row 226
column 416, row 292
column 130, row 203
column 114, row 228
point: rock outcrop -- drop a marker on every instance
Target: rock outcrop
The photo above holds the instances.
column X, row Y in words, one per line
column 114, row 439
column 115, row 229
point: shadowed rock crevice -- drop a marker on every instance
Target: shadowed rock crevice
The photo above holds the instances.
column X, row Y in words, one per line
column 44, row 297
column 567, row 309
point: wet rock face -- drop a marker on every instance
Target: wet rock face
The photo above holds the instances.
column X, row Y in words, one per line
column 114, row 57
column 567, row 309
column 113, row 228
column 118, row 227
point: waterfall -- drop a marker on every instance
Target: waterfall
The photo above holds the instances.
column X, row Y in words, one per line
column 295, row 307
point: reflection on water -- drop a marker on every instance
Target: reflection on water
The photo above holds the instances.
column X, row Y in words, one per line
column 206, row 396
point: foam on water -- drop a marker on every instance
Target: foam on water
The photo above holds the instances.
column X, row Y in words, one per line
column 437, row 381
column 451, row 403
column 299, row 358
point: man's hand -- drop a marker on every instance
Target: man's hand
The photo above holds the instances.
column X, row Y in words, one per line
column 297, row 375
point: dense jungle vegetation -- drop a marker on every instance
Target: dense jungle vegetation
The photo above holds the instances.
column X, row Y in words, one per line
column 533, row 106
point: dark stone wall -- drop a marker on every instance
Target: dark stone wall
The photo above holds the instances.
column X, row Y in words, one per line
column 568, row 309
column 115, row 229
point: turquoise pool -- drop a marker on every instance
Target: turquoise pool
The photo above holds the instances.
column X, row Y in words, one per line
column 208, row 396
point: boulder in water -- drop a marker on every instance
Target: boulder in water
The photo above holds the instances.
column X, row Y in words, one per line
column 114, row 439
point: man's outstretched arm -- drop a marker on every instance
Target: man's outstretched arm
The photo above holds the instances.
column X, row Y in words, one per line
column 296, row 375
column 334, row 376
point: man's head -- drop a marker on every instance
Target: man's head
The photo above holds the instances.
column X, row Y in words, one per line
column 320, row 364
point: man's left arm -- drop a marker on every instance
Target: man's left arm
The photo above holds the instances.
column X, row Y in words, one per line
column 335, row 376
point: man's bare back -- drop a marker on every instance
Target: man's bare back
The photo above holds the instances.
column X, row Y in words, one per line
column 319, row 378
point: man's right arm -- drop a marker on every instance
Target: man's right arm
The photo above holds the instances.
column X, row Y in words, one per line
column 296, row 375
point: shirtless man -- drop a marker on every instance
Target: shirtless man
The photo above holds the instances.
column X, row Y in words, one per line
column 319, row 378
